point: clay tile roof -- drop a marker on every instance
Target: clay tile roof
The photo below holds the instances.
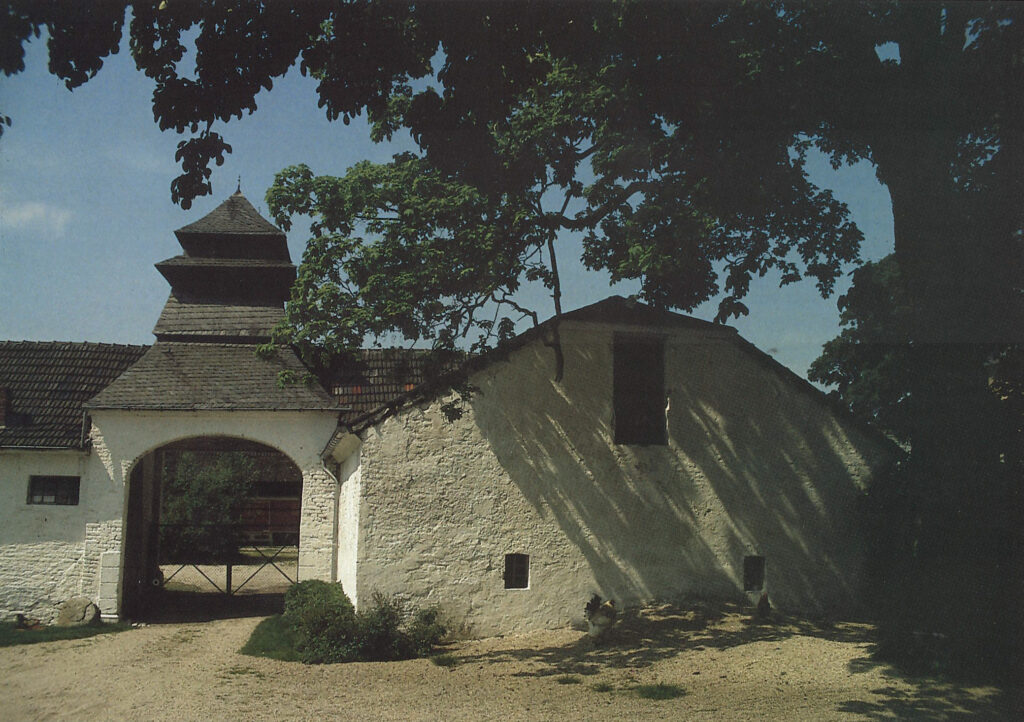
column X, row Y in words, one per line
column 180, row 376
column 235, row 215
column 46, row 384
column 372, row 378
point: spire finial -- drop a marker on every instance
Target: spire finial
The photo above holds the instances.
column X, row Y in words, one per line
column 239, row 189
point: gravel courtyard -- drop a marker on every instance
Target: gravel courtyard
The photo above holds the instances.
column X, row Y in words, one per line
column 724, row 667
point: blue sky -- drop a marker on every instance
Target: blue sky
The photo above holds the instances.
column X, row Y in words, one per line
column 85, row 209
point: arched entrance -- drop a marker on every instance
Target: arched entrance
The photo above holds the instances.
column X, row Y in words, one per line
column 212, row 530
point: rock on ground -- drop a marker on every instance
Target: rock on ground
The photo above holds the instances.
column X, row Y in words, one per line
column 78, row 612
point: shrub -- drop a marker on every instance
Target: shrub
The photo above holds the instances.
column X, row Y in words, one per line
column 328, row 629
column 425, row 631
column 273, row 638
column 324, row 621
column 380, row 638
column 314, row 594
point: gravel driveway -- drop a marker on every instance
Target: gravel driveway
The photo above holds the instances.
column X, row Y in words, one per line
column 723, row 666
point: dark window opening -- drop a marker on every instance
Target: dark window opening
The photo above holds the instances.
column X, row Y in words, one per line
column 277, row 489
column 753, row 574
column 639, row 399
column 517, row 571
column 53, row 490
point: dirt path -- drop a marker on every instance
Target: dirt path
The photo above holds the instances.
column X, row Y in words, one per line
column 726, row 668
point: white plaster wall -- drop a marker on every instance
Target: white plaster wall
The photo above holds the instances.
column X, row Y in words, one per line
column 350, row 478
column 121, row 438
column 753, row 466
column 48, row 553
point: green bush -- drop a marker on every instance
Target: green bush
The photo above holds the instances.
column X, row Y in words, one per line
column 314, row 595
column 426, row 631
column 328, row 629
column 324, row 622
column 380, row 635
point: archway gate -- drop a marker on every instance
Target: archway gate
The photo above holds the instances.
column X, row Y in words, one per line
column 210, row 516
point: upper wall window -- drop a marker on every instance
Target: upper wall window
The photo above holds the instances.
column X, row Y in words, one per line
column 638, row 379
column 53, row 490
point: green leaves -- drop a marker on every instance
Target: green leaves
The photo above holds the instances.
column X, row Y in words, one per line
column 397, row 248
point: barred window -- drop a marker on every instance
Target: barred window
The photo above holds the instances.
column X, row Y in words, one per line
column 53, row 490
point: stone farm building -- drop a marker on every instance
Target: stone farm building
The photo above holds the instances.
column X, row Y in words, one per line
column 670, row 460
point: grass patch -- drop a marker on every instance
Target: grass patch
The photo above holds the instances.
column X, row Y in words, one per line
column 445, row 660
column 659, row 691
column 10, row 635
column 273, row 638
column 602, row 687
column 568, row 679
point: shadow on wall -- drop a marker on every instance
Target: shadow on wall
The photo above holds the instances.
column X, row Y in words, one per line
column 754, row 465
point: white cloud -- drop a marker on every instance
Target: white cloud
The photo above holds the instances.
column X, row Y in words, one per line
column 35, row 216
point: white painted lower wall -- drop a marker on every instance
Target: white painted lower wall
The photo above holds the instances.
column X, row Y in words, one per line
column 350, row 478
column 50, row 553
column 754, row 465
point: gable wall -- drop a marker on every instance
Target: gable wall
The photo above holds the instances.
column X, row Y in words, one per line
column 753, row 466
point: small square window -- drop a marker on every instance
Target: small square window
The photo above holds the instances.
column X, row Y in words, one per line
column 753, row 574
column 61, row 490
column 517, row 571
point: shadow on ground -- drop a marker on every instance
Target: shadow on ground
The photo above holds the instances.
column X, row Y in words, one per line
column 642, row 639
column 172, row 606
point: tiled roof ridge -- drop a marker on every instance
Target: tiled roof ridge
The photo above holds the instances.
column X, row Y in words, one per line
column 78, row 344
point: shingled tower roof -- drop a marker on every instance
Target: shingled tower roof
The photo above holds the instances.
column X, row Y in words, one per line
column 227, row 292
column 231, row 283
column 235, row 215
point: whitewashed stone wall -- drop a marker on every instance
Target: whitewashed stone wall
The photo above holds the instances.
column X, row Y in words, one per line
column 350, row 478
column 46, row 551
column 755, row 465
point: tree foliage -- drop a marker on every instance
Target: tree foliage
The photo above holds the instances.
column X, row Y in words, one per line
column 868, row 363
column 671, row 137
column 201, row 499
